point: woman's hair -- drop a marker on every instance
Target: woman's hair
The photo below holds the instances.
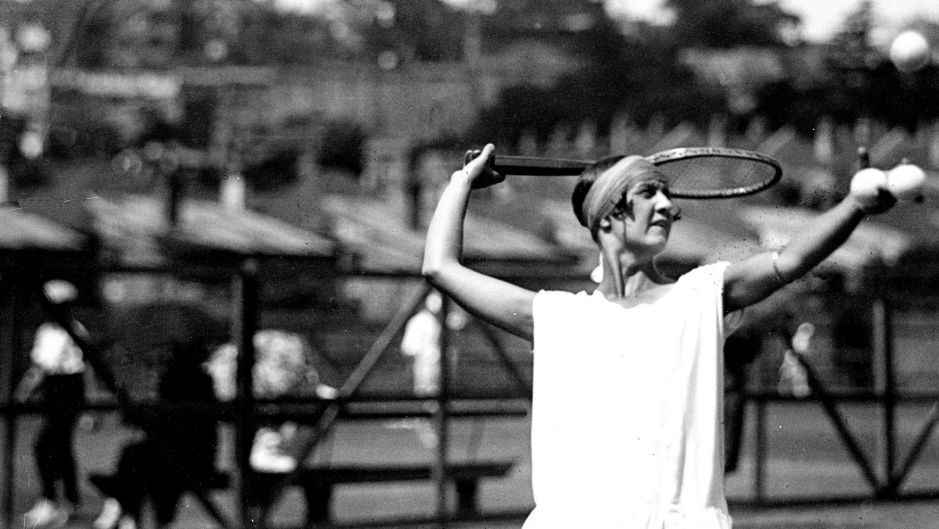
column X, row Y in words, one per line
column 587, row 178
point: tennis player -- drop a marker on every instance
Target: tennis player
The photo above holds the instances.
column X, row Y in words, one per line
column 638, row 441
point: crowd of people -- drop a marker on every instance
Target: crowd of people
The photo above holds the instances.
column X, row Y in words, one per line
column 175, row 447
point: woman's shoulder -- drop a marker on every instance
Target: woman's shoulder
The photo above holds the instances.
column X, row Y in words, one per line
column 709, row 270
column 711, row 274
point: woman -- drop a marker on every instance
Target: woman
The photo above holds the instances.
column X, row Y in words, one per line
column 57, row 371
column 638, row 442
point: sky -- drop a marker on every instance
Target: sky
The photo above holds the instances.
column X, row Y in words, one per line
column 820, row 18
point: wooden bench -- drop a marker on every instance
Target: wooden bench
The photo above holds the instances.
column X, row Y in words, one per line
column 318, row 482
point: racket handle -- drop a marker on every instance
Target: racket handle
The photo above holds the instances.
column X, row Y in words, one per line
column 863, row 158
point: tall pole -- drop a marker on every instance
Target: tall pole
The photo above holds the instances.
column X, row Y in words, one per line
column 441, row 413
column 886, row 387
column 11, row 344
column 246, row 311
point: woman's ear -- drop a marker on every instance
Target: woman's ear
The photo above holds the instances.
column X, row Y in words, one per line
column 605, row 225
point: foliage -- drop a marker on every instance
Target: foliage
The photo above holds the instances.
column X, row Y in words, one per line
column 271, row 37
column 637, row 75
column 730, row 23
column 423, row 30
column 141, row 33
column 856, row 81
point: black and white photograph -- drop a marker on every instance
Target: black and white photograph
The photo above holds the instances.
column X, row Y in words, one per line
column 469, row 264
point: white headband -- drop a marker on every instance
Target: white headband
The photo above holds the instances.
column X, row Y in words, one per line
column 608, row 188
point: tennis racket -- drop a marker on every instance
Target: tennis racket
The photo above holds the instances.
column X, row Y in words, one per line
column 694, row 172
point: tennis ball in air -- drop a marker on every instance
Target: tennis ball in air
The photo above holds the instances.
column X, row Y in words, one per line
column 867, row 183
column 906, row 181
column 909, row 51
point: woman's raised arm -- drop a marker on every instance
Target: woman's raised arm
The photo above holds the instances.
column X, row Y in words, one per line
column 498, row 302
column 755, row 278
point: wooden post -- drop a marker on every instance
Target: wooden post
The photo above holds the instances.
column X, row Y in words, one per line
column 759, row 450
column 246, row 312
column 885, row 385
column 441, row 413
column 11, row 345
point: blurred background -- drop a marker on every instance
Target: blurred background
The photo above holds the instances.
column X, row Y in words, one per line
column 272, row 164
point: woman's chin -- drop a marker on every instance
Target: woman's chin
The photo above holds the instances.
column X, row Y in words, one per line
column 658, row 242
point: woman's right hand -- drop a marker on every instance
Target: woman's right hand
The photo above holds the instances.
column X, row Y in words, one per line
column 478, row 170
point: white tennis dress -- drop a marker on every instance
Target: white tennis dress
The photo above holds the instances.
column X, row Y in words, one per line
column 627, row 407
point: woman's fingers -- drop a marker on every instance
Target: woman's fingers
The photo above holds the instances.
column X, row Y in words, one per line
column 477, row 165
column 476, row 159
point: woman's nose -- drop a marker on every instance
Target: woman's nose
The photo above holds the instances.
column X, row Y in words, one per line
column 662, row 201
column 665, row 205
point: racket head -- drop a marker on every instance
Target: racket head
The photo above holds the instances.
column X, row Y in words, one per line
column 693, row 172
column 716, row 172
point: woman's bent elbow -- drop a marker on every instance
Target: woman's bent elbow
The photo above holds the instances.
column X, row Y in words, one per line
column 431, row 270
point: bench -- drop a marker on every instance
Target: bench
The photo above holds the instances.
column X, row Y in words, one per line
column 318, row 482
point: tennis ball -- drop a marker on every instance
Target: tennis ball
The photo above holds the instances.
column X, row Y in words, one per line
column 867, row 183
column 909, row 51
column 906, row 181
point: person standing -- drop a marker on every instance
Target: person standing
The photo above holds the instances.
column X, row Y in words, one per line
column 57, row 371
column 628, row 392
column 177, row 453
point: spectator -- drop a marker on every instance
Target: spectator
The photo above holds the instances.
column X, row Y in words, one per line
column 57, row 371
column 285, row 365
column 177, row 454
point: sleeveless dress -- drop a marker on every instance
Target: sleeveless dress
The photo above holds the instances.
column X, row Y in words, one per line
column 627, row 407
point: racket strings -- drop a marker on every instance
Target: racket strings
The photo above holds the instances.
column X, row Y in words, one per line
column 717, row 175
column 694, row 172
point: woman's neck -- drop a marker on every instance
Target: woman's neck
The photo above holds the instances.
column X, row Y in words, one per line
column 634, row 277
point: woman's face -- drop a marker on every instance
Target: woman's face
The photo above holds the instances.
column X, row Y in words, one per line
column 647, row 212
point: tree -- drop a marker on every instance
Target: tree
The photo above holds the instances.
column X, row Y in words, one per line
column 638, row 75
column 863, row 82
column 856, row 81
column 731, row 23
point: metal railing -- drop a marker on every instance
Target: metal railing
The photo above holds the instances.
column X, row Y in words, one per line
column 884, row 477
column 316, row 414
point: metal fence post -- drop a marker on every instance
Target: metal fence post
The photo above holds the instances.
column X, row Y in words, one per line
column 759, row 450
column 441, row 413
column 886, row 388
column 246, row 310
column 11, row 343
